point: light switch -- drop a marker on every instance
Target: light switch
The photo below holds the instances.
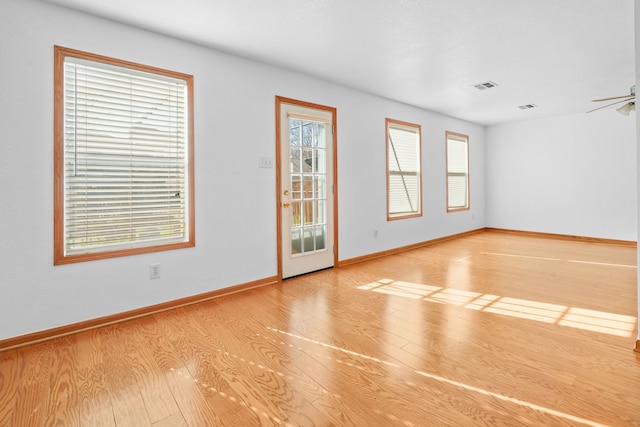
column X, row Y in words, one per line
column 265, row 162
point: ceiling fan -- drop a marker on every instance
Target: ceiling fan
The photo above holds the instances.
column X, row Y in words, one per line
column 629, row 100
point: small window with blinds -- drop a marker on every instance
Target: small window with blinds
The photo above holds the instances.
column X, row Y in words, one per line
column 403, row 170
column 123, row 173
column 457, row 171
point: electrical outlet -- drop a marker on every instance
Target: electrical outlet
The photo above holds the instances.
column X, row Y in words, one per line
column 154, row 271
column 375, row 234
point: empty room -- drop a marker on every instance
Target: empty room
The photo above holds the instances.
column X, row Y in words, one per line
column 319, row 213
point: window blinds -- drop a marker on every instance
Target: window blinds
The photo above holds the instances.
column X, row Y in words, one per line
column 457, row 172
column 125, row 158
column 403, row 157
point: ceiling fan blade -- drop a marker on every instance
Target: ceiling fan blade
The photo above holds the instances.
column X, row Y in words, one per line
column 613, row 103
column 610, row 98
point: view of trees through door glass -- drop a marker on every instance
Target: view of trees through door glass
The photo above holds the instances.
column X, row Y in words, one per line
column 308, row 186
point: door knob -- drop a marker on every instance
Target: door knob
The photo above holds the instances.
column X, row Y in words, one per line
column 285, row 205
column 286, row 192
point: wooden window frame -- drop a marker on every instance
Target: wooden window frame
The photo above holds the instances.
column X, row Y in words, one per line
column 458, row 136
column 418, row 128
column 60, row 257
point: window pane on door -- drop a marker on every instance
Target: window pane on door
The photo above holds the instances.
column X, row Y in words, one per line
column 308, row 186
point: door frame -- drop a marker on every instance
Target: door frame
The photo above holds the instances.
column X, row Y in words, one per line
column 283, row 100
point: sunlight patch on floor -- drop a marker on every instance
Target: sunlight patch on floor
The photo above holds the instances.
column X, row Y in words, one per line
column 333, row 347
column 445, row 380
column 573, row 317
column 512, row 400
column 559, row 259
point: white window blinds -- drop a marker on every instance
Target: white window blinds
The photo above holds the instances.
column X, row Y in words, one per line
column 457, row 172
column 125, row 158
column 403, row 177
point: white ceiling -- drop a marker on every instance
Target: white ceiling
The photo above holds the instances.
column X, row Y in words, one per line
column 556, row 54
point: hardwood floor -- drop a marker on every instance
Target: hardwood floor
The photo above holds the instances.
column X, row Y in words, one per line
column 490, row 329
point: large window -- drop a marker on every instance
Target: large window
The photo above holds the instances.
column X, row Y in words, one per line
column 403, row 170
column 123, row 172
column 457, row 171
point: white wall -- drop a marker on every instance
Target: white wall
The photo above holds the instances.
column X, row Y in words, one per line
column 573, row 175
column 234, row 124
column 637, row 37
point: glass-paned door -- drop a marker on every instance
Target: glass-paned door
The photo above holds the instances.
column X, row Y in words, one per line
column 306, row 141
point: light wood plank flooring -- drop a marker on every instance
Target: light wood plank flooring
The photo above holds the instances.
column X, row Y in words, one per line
column 490, row 329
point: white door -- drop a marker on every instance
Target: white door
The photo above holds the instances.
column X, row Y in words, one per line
column 306, row 204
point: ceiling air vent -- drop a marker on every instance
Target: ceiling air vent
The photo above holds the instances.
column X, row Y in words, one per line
column 485, row 85
column 527, row 106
